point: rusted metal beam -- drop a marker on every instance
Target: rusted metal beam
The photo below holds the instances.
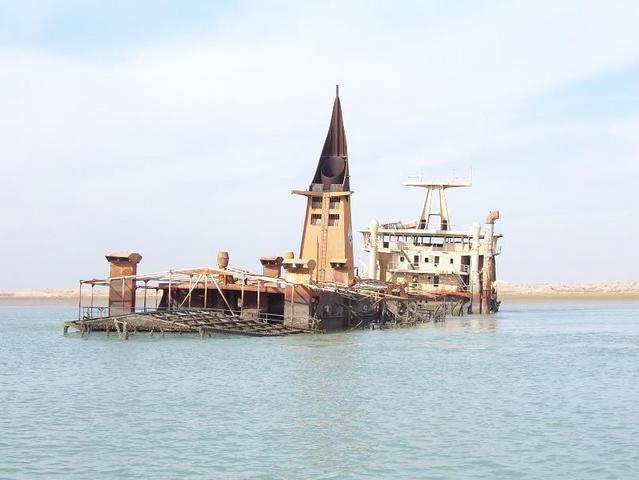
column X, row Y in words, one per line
column 223, row 296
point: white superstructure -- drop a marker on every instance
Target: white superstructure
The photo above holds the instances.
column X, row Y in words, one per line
column 430, row 255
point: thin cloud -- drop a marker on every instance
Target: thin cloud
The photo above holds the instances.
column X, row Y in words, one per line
column 183, row 149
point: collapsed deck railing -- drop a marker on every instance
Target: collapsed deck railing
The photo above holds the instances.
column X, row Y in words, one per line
column 202, row 321
column 200, row 277
column 93, row 312
column 208, row 279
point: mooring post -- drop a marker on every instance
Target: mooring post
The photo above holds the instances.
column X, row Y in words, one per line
column 206, row 291
column 242, row 296
column 80, row 302
column 259, row 287
column 146, row 285
column 292, row 301
column 168, row 305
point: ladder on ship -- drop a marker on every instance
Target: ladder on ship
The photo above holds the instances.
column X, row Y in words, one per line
column 407, row 257
column 462, row 285
column 323, row 240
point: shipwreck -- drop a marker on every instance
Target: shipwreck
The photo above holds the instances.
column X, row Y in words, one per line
column 316, row 291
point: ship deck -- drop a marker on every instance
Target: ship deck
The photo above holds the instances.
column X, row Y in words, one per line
column 201, row 321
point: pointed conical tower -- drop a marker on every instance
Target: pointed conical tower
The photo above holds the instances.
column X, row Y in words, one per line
column 327, row 237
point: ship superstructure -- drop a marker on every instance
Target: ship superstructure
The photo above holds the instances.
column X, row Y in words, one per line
column 431, row 256
column 316, row 291
column 327, row 235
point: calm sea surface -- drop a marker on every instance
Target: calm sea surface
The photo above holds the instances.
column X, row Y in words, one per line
column 541, row 390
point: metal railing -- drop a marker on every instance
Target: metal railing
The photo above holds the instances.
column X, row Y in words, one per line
column 89, row 313
column 92, row 313
column 430, row 268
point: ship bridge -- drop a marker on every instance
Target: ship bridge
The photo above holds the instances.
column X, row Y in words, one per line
column 431, row 254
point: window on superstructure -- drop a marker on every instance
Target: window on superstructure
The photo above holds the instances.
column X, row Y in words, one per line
column 333, row 219
column 316, row 203
column 415, row 258
column 334, row 203
column 316, row 219
column 452, row 260
column 401, row 259
column 426, row 259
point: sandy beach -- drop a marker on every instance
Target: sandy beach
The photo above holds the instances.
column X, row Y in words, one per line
column 569, row 290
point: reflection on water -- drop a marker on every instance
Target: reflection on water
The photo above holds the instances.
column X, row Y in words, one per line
column 541, row 390
column 469, row 323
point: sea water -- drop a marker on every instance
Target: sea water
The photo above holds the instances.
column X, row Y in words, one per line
column 540, row 390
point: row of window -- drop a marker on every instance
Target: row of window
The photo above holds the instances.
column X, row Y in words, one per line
column 434, row 279
column 333, row 219
column 430, row 241
column 316, row 203
column 426, row 259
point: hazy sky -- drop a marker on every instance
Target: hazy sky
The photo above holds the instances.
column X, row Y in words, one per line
column 178, row 129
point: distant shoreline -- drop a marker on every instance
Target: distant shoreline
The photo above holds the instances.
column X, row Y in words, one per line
column 537, row 291
column 568, row 290
column 568, row 295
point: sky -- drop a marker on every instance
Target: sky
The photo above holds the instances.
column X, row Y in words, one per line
column 179, row 128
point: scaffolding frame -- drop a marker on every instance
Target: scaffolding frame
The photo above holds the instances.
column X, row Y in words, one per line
column 207, row 278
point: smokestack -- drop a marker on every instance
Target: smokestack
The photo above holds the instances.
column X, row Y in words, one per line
column 489, row 260
column 272, row 266
column 122, row 290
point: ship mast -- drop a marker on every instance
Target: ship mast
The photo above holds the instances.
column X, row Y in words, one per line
column 435, row 189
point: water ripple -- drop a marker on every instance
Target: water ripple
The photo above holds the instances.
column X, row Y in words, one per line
column 539, row 391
